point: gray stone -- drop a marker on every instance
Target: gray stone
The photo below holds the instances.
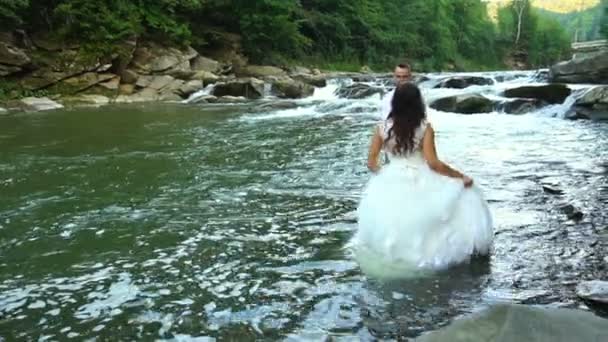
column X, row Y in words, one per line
column 594, row 291
column 190, row 87
column 129, row 77
column 6, row 70
column 260, row 71
column 291, row 89
column 12, row 55
column 507, row 323
column 550, row 93
column 159, row 82
column 591, row 69
column 250, row 88
column 40, row 103
column 464, row 104
column 201, row 63
column 592, row 105
column 357, row 91
column 461, row 82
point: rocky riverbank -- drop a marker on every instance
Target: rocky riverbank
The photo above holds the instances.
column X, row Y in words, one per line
column 39, row 74
column 52, row 75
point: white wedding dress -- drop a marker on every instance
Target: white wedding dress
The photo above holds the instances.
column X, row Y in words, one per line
column 412, row 219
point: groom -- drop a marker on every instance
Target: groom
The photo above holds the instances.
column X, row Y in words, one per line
column 402, row 74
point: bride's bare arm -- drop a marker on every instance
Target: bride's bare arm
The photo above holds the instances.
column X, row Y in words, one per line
column 374, row 151
column 430, row 154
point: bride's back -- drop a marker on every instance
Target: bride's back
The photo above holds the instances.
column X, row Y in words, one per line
column 390, row 140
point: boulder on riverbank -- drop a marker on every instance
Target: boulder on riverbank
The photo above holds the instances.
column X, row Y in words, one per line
column 591, row 69
column 146, row 71
column 592, row 105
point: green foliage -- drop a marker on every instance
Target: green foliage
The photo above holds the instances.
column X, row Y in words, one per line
column 10, row 90
column 550, row 43
column 604, row 19
column 541, row 38
column 10, row 12
column 581, row 26
column 433, row 35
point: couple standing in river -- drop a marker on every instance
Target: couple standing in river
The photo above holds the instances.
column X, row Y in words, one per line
column 416, row 213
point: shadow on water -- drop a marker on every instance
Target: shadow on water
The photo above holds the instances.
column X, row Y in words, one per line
column 409, row 307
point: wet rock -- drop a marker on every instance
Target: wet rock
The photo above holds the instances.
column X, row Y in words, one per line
column 594, row 291
column 291, row 89
column 231, row 99
column 147, row 95
column 551, row 93
column 461, row 82
column 313, row 80
column 204, row 99
column 571, row 212
column 593, row 105
column 552, row 190
column 39, row 104
column 357, row 91
column 591, row 69
column 85, row 100
column 521, row 106
column 464, row 104
column 502, row 323
column 190, row 87
column 276, row 105
column 250, row 88
column 169, row 96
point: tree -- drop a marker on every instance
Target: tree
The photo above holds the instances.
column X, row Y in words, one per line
column 604, row 20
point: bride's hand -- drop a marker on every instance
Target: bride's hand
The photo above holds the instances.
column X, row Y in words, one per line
column 468, row 182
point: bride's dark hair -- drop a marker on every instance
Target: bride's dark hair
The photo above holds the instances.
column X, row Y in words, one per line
column 407, row 113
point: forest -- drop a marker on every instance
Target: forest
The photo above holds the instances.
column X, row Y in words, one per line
column 334, row 34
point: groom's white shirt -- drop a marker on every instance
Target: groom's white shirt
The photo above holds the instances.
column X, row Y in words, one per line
column 385, row 106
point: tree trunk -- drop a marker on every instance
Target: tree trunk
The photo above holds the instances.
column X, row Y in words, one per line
column 520, row 12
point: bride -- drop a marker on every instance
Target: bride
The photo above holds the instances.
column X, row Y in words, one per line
column 416, row 214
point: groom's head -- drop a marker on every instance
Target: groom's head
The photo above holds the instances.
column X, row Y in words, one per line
column 402, row 73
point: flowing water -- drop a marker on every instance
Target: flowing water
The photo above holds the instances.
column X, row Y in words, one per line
column 193, row 222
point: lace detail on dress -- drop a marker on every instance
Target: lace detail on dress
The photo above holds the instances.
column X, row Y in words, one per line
column 390, row 145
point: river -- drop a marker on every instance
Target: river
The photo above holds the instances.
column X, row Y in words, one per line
column 192, row 222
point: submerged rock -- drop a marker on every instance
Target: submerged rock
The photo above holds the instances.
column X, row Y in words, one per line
column 551, row 93
column 594, row 291
column 357, row 91
column 461, row 82
column 464, row 104
column 507, row 323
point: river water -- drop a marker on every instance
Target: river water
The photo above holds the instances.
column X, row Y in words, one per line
column 192, row 222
